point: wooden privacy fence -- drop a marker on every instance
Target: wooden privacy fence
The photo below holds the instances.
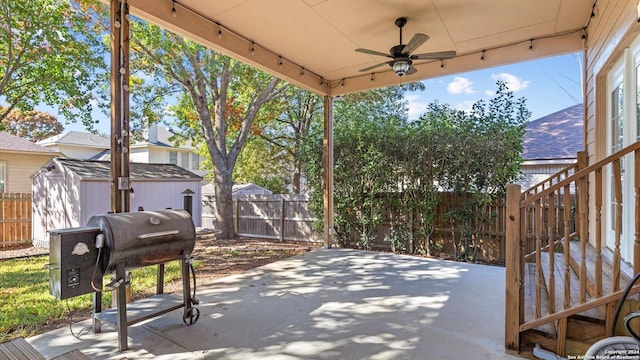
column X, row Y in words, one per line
column 15, row 219
column 279, row 217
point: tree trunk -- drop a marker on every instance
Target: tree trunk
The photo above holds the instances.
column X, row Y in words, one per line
column 297, row 172
column 223, row 186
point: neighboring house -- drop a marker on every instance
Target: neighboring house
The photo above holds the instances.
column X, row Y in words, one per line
column 159, row 149
column 77, row 144
column 67, row 192
column 19, row 158
column 162, row 150
column 550, row 144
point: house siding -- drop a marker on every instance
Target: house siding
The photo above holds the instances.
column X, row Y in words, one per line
column 20, row 166
column 612, row 30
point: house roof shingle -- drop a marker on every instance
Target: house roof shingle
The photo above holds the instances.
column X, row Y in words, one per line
column 10, row 142
column 555, row 136
column 99, row 170
column 78, row 138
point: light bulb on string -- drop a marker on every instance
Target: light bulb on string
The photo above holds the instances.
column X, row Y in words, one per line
column 173, row 8
column 530, row 46
column 482, row 57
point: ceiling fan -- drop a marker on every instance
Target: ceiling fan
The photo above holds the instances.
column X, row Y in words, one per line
column 401, row 58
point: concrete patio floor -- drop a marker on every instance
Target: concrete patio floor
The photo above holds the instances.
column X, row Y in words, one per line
column 324, row 304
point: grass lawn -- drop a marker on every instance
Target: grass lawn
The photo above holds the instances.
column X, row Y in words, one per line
column 26, row 308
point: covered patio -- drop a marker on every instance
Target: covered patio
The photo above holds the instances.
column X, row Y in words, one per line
column 324, row 304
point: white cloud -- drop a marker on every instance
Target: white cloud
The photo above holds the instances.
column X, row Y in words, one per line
column 514, row 83
column 460, row 85
column 416, row 106
column 465, row 105
column 489, row 92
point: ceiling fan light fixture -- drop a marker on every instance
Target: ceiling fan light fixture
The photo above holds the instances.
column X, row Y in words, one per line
column 400, row 67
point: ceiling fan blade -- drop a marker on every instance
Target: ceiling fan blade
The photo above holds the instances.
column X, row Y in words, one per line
column 415, row 42
column 375, row 66
column 372, row 52
column 412, row 70
column 434, row 55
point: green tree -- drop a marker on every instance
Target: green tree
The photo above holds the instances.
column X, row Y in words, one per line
column 219, row 100
column 264, row 164
column 294, row 116
column 365, row 128
column 387, row 166
column 32, row 125
column 49, row 53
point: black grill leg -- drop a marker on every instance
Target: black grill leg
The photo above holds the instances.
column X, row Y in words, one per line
column 122, row 307
column 97, row 308
column 186, row 284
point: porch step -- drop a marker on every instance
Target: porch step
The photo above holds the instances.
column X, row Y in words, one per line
column 626, row 270
column 597, row 314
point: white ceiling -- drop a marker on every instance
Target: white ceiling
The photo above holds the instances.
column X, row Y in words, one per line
column 316, row 39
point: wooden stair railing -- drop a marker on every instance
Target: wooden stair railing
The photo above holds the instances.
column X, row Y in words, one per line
column 547, row 234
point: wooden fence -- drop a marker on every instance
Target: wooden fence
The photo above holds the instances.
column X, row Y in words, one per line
column 15, row 219
column 279, row 217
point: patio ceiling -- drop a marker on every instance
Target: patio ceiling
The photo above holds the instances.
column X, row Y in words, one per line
column 311, row 43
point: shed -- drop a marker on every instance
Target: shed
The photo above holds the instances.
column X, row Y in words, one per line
column 67, row 192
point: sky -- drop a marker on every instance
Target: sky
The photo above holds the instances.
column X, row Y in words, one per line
column 549, row 85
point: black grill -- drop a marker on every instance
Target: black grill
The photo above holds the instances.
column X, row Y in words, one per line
column 114, row 244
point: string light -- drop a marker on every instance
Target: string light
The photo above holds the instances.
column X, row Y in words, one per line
column 530, row 46
column 441, row 64
column 321, row 82
column 482, row 57
column 219, row 32
column 279, row 61
column 301, row 71
column 342, row 83
column 372, row 77
column 173, row 8
column 253, row 48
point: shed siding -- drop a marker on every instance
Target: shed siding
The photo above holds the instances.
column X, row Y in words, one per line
column 612, row 30
column 62, row 199
column 96, row 199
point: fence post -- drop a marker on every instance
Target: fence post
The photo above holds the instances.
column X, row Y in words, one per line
column 282, row 215
column 513, row 263
column 236, row 203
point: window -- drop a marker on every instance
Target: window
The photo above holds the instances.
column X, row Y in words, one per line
column 184, row 159
column 3, row 176
column 195, row 161
column 173, row 157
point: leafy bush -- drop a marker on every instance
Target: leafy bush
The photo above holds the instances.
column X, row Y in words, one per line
column 385, row 164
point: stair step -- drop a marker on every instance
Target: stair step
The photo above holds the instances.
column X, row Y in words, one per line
column 574, row 284
column 530, row 302
column 626, row 270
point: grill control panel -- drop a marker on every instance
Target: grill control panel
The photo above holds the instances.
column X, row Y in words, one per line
column 73, row 262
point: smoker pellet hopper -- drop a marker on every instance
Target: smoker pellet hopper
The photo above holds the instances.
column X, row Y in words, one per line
column 115, row 243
